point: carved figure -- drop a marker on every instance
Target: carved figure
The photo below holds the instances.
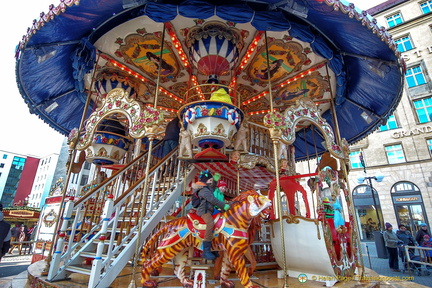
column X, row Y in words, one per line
column 234, row 157
column 185, row 143
column 232, row 236
column 242, row 138
column 282, row 151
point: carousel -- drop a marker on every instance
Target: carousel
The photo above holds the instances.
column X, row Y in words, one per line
column 266, row 94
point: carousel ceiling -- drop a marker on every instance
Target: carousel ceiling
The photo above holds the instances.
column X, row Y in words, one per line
column 327, row 51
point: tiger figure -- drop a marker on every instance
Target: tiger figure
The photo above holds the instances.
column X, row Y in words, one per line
column 230, row 236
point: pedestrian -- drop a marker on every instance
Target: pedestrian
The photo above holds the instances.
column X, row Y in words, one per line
column 172, row 136
column 5, row 234
column 15, row 231
column 206, row 208
column 427, row 243
column 31, row 236
column 406, row 237
column 23, row 231
column 391, row 242
column 420, row 234
column 370, row 227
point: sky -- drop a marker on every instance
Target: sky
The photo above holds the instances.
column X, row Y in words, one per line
column 22, row 132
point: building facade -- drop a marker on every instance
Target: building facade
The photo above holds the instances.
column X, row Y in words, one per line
column 13, row 168
column 401, row 149
column 43, row 180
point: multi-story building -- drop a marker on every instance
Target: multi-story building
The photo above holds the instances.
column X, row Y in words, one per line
column 43, row 180
column 16, row 177
column 401, row 149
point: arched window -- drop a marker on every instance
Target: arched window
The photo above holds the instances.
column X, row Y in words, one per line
column 408, row 205
column 368, row 209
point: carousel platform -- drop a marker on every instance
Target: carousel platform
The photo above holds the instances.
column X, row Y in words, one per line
column 263, row 278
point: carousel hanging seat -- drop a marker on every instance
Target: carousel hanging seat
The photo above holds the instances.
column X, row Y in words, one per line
column 211, row 123
column 211, row 120
column 109, row 143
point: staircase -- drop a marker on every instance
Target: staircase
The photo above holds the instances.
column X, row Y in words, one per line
column 99, row 232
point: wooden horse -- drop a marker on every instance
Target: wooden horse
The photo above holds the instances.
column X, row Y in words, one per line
column 230, row 235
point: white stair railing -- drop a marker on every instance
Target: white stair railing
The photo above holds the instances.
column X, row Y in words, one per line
column 110, row 242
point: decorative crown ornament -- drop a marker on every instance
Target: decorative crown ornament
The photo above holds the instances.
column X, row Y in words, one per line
column 274, row 120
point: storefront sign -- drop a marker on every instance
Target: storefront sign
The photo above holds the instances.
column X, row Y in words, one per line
column 415, row 131
column 406, row 199
column 21, row 213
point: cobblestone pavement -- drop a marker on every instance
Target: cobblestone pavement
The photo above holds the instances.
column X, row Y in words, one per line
column 14, row 267
column 381, row 266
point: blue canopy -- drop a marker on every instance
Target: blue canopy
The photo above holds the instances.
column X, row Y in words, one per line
column 56, row 59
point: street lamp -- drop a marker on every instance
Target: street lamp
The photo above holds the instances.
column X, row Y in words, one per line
column 378, row 178
column 378, row 237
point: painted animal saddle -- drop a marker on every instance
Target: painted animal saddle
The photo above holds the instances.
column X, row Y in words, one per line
column 196, row 226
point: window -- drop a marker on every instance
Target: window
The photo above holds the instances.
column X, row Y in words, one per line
column 391, row 124
column 414, row 76
column 1, row 165
column 87, row 165
column 355, row 160
column 426, row 7
column 404, row 44
column 394, row 20
column 395, row 154
column 429, row 143
column 423, row 109
column 84, row 179
column 5, row 156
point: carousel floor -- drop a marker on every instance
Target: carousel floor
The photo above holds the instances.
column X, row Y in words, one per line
column 265, row 279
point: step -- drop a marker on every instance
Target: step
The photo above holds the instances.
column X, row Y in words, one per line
column 83, row 269
column 88, row 254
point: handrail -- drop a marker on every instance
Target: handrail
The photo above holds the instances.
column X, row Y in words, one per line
column 124, row 194
column 114, row 177
column 260, row 142
column 424, row 253
column 98, row 214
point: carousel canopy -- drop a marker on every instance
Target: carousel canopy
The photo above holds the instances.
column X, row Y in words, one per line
column 325, row 50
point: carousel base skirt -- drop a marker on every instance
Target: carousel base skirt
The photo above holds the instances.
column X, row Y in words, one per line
column 262, row 278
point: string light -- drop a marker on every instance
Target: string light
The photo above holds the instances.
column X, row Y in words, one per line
column 177, row 45
column 249, row 52
column 288, row 81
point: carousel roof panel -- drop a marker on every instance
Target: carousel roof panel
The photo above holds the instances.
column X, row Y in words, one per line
column 324, row 50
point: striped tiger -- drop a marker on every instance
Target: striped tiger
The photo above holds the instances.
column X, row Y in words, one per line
column 230, row 235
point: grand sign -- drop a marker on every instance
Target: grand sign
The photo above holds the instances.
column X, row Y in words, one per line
column 415, row 131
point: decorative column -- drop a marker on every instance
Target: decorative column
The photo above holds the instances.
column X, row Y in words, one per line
column 276, row 124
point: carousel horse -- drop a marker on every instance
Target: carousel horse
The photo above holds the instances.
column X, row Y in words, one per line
column 230, row 235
